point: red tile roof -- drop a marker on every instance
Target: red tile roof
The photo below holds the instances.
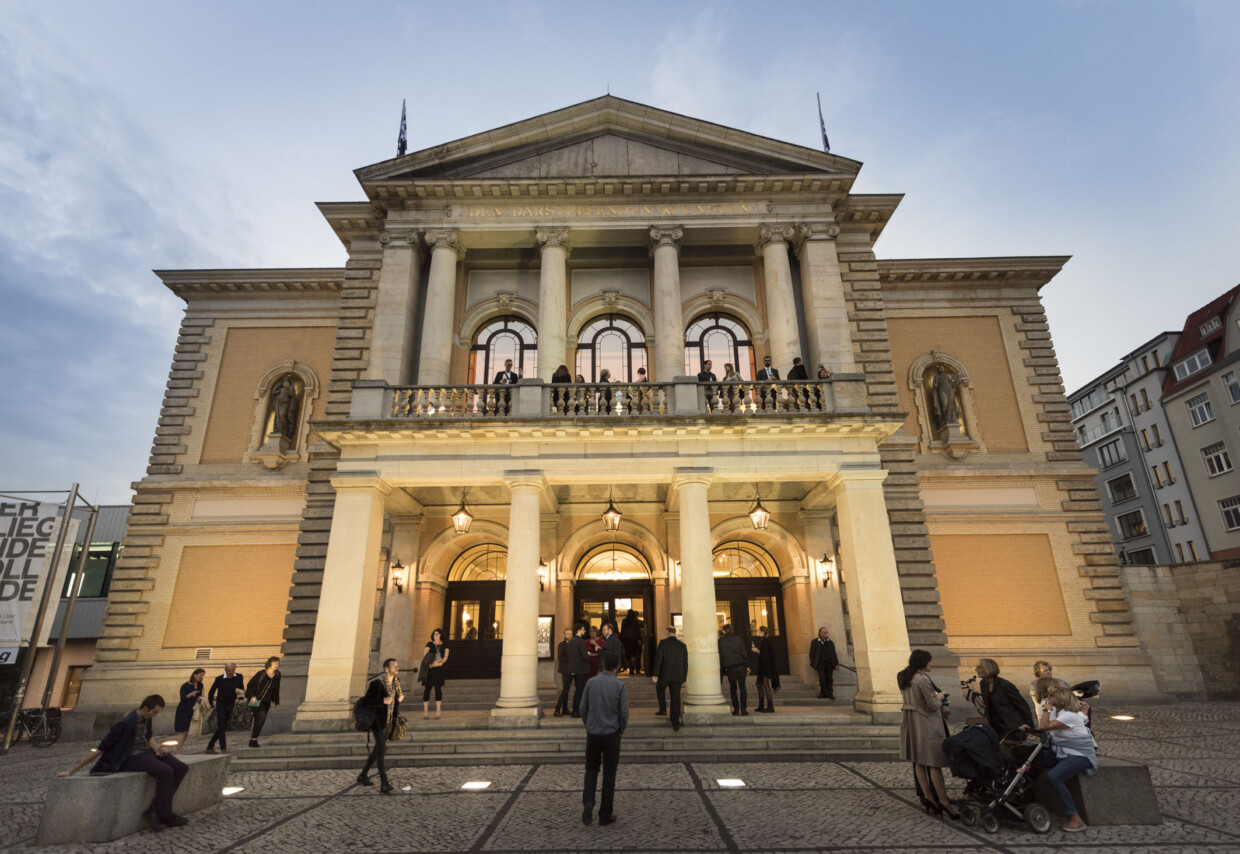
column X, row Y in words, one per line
column 1191, row 339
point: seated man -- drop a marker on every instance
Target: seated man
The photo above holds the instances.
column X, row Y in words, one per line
column 131, row 746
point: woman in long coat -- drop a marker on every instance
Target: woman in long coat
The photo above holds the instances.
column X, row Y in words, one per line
column 922, row 730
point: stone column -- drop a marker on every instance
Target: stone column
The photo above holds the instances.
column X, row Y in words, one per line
column 552, row 301
column 697, row 579
column 822, row 294
column 396, row 309
column 781, row 310
column 396, row 639
column 669, row 325
column 875, row 606
column 518, row 681
column 340, row 655
column 438, row 326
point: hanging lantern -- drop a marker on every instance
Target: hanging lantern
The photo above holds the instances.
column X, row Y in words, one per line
column 759, row 515
column 461, row 518
column 611, row 516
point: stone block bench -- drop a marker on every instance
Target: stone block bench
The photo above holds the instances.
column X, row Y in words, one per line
column 104, row 807
column 1120, row 792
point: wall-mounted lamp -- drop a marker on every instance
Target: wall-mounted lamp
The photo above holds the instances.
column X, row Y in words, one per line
column 399, row 574
column 676, row 569
column 826, row 569
column 542, row 575
column 462, row 517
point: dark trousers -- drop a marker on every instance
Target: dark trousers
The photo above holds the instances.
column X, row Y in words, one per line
column 260, row 718
column 736, row 678
column 661, row 690
column 766, row 696
column 826, row 681
column 579, row 685
column 377, row 753
column 168, row 772
column 426, row 692
column 561, row 703
column 222, row 716
column 604, row 750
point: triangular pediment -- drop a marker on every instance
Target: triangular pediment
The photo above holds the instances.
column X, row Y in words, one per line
column 608, row 137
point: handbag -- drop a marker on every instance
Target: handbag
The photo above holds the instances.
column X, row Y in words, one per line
column 257, row 702
column 398, row 729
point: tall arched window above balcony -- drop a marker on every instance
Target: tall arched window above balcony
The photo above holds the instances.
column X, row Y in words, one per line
column 503, row 338
column 613, row 342
column 722, row 339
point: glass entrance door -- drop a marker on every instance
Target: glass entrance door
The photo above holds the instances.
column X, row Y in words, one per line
column 747, row 605
column 474, row 624
column 631, row 606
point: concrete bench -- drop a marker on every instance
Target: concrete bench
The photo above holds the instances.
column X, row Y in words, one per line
column 104, row 807
column 1120, row 792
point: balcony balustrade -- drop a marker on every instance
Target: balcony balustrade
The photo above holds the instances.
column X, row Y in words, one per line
column 375, row 400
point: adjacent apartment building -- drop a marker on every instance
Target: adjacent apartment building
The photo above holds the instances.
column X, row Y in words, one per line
column 1160, row 428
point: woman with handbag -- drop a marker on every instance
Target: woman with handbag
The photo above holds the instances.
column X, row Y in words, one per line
column 191, row 695
column 922, row 731
column 383, row 693
column 430, row 674
column 262, row 695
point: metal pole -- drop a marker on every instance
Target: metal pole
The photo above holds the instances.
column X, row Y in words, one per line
column 73, row 595
column 33, row 646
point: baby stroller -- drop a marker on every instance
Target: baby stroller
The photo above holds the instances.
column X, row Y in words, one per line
column 996, row 789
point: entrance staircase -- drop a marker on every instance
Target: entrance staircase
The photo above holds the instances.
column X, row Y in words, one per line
column 802, row 728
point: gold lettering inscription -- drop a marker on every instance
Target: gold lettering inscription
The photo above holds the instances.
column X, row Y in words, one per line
column 613, row 211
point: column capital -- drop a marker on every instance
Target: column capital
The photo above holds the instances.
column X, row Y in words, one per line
column 515, row 480
column 666, row 237
column 825, row 230
column 768, row 234
column 684, row 476
column 342, row 483
column 838, row 481
column 400, row 237
column 553, row 236
column 446, row 238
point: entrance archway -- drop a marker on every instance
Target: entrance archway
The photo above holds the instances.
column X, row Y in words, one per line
column 474, row 611
column 614, row 584
column 748, row 595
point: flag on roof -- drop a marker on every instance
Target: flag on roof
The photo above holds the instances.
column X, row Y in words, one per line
column 826, row 145
column 401, row 142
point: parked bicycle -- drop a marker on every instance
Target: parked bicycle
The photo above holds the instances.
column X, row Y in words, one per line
column 40, row 726
column 241, row 719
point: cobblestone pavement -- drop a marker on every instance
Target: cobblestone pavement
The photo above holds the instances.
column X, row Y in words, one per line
column 1193, row 752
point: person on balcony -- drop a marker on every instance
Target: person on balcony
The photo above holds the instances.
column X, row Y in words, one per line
column 798, row 371
column 562, row 375
column 507, row 376
column 706, row 375
column 766, row 373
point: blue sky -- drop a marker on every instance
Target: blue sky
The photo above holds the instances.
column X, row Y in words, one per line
column 140, row 136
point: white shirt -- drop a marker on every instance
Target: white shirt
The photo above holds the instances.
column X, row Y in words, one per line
column 1070, row 741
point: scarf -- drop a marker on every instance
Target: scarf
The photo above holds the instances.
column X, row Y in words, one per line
column 391, row 684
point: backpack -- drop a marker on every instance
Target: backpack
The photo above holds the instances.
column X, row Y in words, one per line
column 363, row 715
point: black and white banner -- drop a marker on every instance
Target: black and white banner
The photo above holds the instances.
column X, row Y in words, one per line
column 26, row 532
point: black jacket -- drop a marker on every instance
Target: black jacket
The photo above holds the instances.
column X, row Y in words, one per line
column 798, row 372
column 506, row 378
column 766, row 659
column 706, row 377
column 563, row 662
column 578, row 656
column 771, row 374
column 732, row 652
column 264, row 688
column 1006, row 709
column 822, row 654
column 612, row 645
column 114, row 749
column 374, row 697
column 224, row 690
column 671, row 661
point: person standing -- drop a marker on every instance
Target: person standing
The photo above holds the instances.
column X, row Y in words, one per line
column 382, row 694
column 611, row 642
column 671, row 668
column 191, row 693
column 431, row 673
column 631, row 640
column 594, row 646
column 922, row 730
column 223, row 698
column 768, row 673
column 798, row 371
column 563, row 666
column 823, row 659
column 263, row 695
column 605, row 712
column 706, row 375
column 734, row 660
column 766, row 373
column 1006, row 709
column 130, row 746
column 578, row 665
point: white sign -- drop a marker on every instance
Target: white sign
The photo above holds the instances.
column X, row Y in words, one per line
column 8, row 654
column 26, row 527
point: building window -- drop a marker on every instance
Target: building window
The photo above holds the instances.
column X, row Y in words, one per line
column 1233, row 387
column 1210, row 325
column 1231, row 512
column 1193, row 550
column 1121, row 488
column 615, row 344
column 502, row 339
column 1141, row 557
column 1136, row 407
column 1217, row 460
column 1193, row 364
column 100, row 564
column 1145, row 437
column 1145, row 399
column 1145, row 363
column 1112, row 453
column 1167, row 472
column 1089, row 402
column 1179, row 509
column 1157, row 475
column 1179, row 552
column 1170, row 518
column 720, row 339
column 1157, row 436
column 1131, row 525
column 1200, row 410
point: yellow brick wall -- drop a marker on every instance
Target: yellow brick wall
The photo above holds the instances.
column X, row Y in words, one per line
column 999, row 584
column 978, row 343
column 249, row 353
column 230, row 596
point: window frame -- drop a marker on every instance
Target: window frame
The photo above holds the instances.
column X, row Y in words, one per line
column 1216, row 459
column 1200, row 404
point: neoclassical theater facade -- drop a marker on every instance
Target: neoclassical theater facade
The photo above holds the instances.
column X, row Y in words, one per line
column 337, row 470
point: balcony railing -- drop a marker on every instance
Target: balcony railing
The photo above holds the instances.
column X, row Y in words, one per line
column 1088, row 437
column 534, row 399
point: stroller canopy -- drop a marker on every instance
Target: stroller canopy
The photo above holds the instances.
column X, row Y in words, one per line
column 973, row 753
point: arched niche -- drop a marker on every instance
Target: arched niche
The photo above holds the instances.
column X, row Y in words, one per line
column 776, row 540
column 446, row 548
column 594, row 534
column 959, row 438
column 265, row 447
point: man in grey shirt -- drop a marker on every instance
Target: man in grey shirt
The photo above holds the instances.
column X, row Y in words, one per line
column 605, row 712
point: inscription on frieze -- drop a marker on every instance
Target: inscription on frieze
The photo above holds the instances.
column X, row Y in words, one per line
column 617, row 211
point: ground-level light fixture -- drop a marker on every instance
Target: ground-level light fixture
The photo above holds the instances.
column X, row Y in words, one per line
column 462, row 518
column 611, row 516
column 759, row 515
column 731, row 783
column 542, row 575
column 476, row 784
column 1122, row 718
column 232, row 790
column 399, row 574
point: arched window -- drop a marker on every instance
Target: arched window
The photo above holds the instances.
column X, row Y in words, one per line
column 503, row 338
column 487, row 562
column 739, row 559
column 612, row 562
column 720, row 338
column 613, row 342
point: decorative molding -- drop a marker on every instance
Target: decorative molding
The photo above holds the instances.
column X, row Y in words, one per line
column 1032, row 271
column 186, row 283
column 548, row 237
column 768, row 234
column 446, row 238
column 824, row 230
column 666, row 237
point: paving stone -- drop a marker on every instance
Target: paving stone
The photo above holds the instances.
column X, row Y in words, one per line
column 570, row 778
column 788, row 775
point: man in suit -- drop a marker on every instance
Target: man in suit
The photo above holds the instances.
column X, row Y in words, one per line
column 798, row 371
column 563, row 666
column 506, row 377
column 671, row 668
column 766, row 372
column 611, row 641
column 223, row 696
column 822, row 658
column 705, row 375
column 578, row 665
column 734, row 660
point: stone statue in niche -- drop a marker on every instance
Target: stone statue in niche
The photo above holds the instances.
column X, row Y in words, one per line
column 285, row 404
column 943, row 398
